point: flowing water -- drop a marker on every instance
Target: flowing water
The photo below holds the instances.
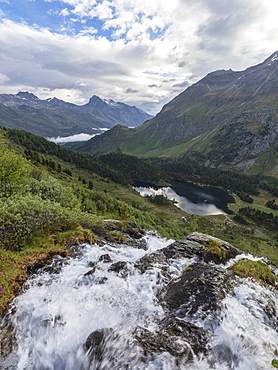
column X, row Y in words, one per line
column 60, row 307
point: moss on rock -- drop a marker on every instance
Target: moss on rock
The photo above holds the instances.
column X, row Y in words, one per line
column 215, row 247
column 257, row 270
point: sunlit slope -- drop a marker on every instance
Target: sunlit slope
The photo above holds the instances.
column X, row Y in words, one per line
column 227, row 119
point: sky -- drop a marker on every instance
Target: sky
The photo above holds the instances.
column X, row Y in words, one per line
column 140, row 52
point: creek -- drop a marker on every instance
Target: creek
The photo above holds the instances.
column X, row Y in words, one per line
column 191, row 198
column 63, row 304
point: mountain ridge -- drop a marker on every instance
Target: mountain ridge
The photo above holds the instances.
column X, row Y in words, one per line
column 228, row 119
column 55, row 117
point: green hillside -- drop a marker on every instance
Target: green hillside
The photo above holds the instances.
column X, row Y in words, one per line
column 51, row 197
column 226, row 120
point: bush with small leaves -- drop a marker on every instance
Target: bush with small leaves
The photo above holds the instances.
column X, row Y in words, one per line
column 22, row 217
column 14, row 172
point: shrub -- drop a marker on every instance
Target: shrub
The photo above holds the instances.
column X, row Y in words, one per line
column 52, row 189
column 23, row 216
column 14, row 172
column 160, row 200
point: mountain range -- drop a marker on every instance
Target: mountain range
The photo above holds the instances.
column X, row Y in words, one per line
column 228, row 119
column 54, row 117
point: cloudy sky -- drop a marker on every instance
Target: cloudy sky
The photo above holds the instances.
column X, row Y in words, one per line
column 141, row 52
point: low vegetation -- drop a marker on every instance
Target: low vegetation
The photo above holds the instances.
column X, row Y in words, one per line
column 256, row 270
column 215, row 247
column 51, row 197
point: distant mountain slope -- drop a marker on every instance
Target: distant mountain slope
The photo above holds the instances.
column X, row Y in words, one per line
column 54, row 117
column 227, row 119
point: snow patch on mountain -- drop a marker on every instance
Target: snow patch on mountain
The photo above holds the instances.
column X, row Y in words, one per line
column 110, row 102
column 275, row 57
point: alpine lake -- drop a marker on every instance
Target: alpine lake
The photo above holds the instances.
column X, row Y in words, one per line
column 191, row 198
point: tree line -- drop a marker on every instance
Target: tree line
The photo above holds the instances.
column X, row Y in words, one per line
column 125, row 169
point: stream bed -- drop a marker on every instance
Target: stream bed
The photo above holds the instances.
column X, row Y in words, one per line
column 88, row 312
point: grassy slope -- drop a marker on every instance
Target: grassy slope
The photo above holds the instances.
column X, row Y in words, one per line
column 221, row 98
column 168, row 221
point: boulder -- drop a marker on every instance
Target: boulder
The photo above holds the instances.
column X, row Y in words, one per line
column 94, row 346
column 120, row 268
column 195, row 336
column 105, row 258
column 200, row 289
column 158, row 342
column 205, row 247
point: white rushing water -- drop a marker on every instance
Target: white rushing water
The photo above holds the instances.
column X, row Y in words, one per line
column 57, row 312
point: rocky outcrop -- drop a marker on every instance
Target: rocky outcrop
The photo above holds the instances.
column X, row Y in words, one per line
column 199, row 291
column 118, row 232
column 205, row 247
column 202, row 247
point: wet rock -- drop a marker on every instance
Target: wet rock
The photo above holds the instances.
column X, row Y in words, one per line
column 137, row 243
column 157, row 259
column 51, row 269
column 116, row 238
column 120, row 268
column 195, row 336
column 202, row 247
column 133, row 230
column 92, row 264
column 41, row 260
column 153, row 342
column 95, row 344
column 7, row 340
column 90, row 272
column 230, row 250
column 105, row 258
column 75, row 250
column 200, row 290
column 101, row 280
column 205, row 247
column 117, row 266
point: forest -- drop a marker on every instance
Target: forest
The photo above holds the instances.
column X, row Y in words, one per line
column 125, row 169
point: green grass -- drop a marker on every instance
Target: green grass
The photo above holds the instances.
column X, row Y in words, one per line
column 256, row 270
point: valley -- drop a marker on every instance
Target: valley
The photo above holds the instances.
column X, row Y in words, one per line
column 83, row 191
column 226, row 120
column 73, row 216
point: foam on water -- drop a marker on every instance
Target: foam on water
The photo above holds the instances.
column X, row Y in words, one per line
column 57, row 312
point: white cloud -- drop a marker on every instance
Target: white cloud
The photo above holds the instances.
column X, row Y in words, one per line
column 3, row 78
column 71, row 139
column 157, row 48
column 64, row 12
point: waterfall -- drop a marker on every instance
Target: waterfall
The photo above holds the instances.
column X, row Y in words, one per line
column 88, row 299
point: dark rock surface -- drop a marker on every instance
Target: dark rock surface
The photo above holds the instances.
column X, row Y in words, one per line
column 105, row 258
column 195, row 336
column 194, row 245
column 95, row 344
column 162, row 342
column 200, row 289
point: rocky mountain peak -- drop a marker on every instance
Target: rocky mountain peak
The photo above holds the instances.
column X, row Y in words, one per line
column 273, row 57
column 227, row 119
column 54, row 117
column 27, row 95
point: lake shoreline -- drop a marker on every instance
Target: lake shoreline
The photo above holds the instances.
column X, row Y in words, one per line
column 191, row 198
